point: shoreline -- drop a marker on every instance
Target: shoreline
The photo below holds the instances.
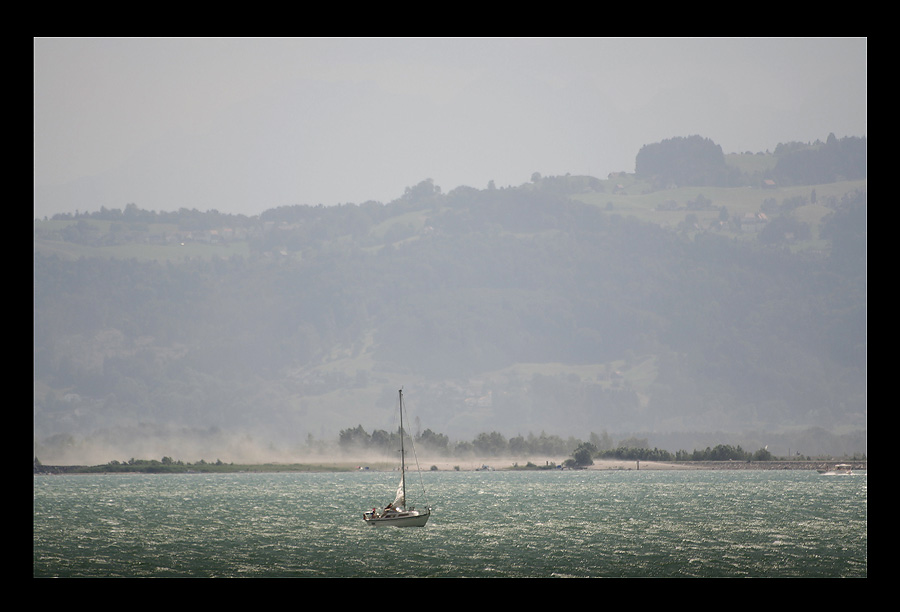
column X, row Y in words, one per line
column 499, row 465
column 624, row 465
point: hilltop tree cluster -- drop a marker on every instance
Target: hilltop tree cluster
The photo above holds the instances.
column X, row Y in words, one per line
column 685, row 161
column 697, row 161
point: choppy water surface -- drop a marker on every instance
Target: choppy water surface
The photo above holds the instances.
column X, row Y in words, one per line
column 485, row 524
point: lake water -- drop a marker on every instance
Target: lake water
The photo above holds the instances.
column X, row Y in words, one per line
column 485, row 524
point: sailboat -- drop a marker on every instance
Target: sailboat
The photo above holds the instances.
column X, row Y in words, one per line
column 398, row 513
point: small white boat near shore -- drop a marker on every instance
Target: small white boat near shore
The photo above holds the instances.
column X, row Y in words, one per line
column 841, row 469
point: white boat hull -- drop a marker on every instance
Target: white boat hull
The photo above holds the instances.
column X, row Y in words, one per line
column 403, row 519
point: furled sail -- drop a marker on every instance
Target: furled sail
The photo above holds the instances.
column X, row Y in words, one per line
column 400, row 500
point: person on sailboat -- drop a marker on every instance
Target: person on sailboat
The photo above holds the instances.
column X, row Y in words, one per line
column 389, row 509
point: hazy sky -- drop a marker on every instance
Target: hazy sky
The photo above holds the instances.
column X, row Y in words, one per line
column 243, row 125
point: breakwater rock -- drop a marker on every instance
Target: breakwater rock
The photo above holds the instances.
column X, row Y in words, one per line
column 770, row 465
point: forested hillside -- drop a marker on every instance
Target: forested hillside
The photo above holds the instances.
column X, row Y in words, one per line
column 639, row 304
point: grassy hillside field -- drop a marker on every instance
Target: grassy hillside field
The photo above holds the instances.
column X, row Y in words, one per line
column 623, row 195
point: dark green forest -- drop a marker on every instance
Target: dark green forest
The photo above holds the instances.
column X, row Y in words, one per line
column 547, row 308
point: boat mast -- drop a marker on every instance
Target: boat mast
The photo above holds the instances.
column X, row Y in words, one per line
column 402, row 454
